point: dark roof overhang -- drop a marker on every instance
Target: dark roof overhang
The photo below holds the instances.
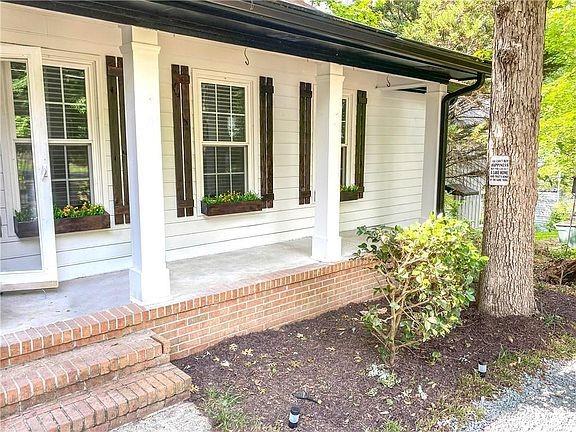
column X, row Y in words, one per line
column 283, row 27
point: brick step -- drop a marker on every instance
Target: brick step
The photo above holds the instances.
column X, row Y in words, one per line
column 48, row 378
column 107, row 406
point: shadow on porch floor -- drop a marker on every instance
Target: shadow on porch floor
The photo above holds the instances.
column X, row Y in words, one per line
column 189, row 278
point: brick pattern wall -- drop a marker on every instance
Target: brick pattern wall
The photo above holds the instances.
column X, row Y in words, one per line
column 193, row 325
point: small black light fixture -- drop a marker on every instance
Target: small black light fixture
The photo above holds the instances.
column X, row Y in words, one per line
column 482, row 368
column 294, row 417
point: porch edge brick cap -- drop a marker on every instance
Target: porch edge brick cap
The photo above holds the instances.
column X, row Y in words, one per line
column 34, row 343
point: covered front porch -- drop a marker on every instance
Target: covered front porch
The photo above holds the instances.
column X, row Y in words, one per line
column 189, row 279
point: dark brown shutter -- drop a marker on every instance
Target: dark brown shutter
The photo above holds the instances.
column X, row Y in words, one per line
column 182, row 140
column 266, row 141
column 305, row 141
column 360, row 141
column 117, row 121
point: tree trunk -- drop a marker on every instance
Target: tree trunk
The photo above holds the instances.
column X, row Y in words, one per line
column 507, row 284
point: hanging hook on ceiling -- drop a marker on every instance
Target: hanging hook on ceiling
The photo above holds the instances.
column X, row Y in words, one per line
column 387, row 80
column 251, row 5
column 247, row 61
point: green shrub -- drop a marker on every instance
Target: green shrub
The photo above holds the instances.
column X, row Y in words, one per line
column 24, row 215
column 560, row 213
column 426, row 276
column 452, row 205
column 349, row 188
column 75, row 212
column 230, row 197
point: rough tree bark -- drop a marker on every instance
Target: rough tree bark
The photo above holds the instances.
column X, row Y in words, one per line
column 507, row 284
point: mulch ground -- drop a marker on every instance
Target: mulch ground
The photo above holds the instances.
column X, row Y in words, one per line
column 328, row 357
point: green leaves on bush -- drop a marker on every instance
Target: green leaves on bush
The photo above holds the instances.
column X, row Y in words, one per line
column 349, row 188
column 75, row 212
column 426, row 276
column 230, row 197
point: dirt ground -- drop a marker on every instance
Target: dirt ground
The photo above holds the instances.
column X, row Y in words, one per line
column 330, row 356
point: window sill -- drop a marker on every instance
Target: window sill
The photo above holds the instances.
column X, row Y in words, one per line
column 231, row 208
column 66, row 225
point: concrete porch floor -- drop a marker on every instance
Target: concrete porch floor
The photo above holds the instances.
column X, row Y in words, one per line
column 189, row 278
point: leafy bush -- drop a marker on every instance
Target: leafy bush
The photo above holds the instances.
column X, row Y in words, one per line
column 349, row 188
column 560, row 213
column 230, row 197
column 75, row 212
column 24, row 215
column 452, row 205
column 426, row 275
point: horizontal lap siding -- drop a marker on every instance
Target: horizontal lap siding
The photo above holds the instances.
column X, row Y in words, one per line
column 394, row 157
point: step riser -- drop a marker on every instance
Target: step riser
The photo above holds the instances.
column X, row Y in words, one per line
column 80, row 384
column 43, row 380
column 107, row 407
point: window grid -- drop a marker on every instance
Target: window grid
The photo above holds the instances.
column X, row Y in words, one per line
column 67, row 143
column 217, row 113
column 212, row 185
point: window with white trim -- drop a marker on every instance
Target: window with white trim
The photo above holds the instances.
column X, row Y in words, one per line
column 224, row 137
column 68, row 134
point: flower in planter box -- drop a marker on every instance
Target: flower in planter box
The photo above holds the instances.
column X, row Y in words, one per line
column 74, row 212
column 231, row 197
column 349, row 188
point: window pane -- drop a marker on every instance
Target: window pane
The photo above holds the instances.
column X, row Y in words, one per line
column 209, row 185
column 222, row 160
column 209, row 160
column 224, row 127
column 223, row 183
column 52, row 84
column 25, row 167
column 239, row 128
column 59, row 193
column 209, row 127
column 238, row 183
column 58, row 162
column 20, row 98
column 74, row 86
column 76, row 121
column 343, row 166
column 79, row 191
column 78, row 162
column 343, row 131
column 223, row 99
column 238, row 101
column 237, row 159
column 208, row 97
column 55, row 117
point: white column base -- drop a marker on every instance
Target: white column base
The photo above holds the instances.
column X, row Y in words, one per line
column 150, row 286
column 327, row 249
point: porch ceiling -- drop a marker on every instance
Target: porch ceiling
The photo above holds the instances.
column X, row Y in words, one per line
column 286, row 28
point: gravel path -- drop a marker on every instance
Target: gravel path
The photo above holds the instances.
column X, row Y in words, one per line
column 546, row 404
column 180, row 417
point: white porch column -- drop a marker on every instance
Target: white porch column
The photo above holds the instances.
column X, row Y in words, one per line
column 326, row 241
column 434, row 94
column 149, row 277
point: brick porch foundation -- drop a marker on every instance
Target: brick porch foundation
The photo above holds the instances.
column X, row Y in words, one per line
column 193, row 325
column 99, row 371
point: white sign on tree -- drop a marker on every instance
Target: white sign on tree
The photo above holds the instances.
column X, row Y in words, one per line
column 499, row 173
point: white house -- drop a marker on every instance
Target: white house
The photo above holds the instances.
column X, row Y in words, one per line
column 148, row 110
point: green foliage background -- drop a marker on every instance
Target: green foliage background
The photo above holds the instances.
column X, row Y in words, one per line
column 466, row 26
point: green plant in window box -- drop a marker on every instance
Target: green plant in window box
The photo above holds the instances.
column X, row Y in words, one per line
column 231, row 202
column 349, row 192
column 85, row 217
column 75, row 212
